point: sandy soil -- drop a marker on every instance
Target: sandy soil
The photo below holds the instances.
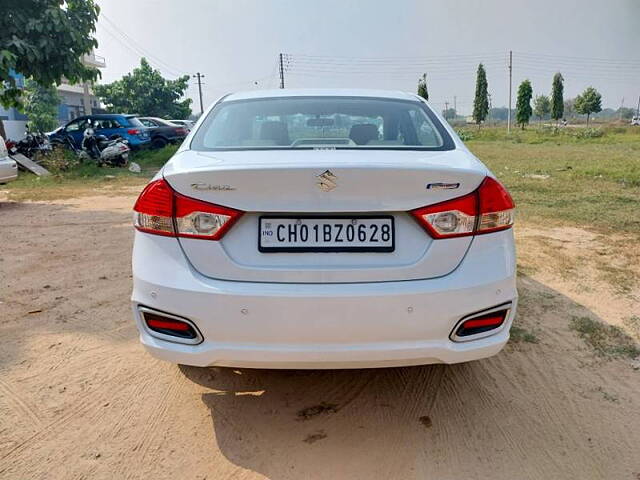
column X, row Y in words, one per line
column 79, row 398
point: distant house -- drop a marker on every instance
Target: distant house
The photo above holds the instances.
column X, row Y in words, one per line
column 75, row 100
column 78, row 99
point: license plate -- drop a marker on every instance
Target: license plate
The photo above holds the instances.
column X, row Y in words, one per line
column 326, row 234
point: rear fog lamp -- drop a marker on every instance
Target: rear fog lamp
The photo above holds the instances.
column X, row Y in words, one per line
column 169, row 327
column 480, row 324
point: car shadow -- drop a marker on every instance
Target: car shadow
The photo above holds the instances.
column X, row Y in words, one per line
column 519, row 414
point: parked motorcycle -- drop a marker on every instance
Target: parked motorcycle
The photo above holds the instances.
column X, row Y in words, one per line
column 33, row 145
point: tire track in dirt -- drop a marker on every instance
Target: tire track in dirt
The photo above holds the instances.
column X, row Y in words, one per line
column 18, row 405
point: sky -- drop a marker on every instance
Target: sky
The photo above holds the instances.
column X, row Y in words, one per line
column 380, row 44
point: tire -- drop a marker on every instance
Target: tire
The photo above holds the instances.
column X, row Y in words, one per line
column 158, row 142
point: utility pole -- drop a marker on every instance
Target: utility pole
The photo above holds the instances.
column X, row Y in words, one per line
column 455, row 105
column 621, row 107
column 638, row 109
column 199, row 76
column 446, row 110
column 281, row 64
column 510, row 79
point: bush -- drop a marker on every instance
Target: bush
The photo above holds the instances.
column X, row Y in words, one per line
column 59, row 160
column 465, row 135
column 589, row 133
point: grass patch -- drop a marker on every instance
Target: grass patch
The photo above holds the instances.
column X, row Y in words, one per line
column 605, row 340
column 83, row 179
column 520, row 335
column 632, row 324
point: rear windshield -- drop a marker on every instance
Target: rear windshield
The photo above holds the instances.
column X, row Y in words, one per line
column 321, row 122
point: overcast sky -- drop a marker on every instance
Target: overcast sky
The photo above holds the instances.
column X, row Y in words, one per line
column 380, row 44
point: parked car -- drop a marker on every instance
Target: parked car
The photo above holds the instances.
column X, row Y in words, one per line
column 163, row 132
column 635, row 121
column 188, row 124
column 126, row 126
column 8, row 167
column 323, row 229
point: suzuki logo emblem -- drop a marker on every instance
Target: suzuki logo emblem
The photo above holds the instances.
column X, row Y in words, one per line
column 326, row 181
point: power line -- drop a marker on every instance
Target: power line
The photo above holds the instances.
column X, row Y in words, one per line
column 138, row 46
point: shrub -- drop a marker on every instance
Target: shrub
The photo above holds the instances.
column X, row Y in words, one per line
column 59, row 160
column 465, row 135
column 589, row 133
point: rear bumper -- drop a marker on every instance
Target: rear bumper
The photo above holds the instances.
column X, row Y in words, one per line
column 278, row 325
column 8, row 170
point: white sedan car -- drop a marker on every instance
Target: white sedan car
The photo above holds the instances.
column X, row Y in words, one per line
column 323, row 229
column 8, row 167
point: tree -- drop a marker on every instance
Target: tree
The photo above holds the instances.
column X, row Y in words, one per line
column 557, row 94
column 450, row 113
column 146, row 92
column 481, row 100
column 588, row 102
column 45, row 40
column 41, row 106
column 523, row 103
column 569, row 107
column 541, row 106
column 422, row 87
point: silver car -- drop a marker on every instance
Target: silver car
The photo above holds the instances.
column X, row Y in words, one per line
column 8, row 168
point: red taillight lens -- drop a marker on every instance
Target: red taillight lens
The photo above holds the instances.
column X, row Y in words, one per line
column 488, row 209
column 153, row 211
column 181, row 131
column 497, row 208
column 133, row 131
column 162, row 211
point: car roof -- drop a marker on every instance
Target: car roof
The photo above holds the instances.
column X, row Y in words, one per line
column 321, row 92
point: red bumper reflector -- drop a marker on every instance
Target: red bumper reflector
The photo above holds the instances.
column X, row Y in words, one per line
column 484, row 322
column 481, row 323
column 168, row 324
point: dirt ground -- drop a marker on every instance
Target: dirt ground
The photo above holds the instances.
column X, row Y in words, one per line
column 79, row 398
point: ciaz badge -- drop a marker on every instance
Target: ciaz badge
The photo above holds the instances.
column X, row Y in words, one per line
column 442, row 186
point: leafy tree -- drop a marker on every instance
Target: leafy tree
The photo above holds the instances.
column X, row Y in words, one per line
column 588, row 102
column 523, row 103
column 146, row 92
column 569, row 107
column 626, row 113
column 557, row 93
column 450, row 113
column 481, row 100
column 498, row 113
column 41, row 106
column 45, row 40
column 422, row 87
column 541, row 106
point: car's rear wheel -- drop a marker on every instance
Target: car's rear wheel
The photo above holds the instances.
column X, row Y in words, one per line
column 159, row 142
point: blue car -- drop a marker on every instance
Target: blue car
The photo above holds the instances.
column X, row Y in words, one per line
column 109, row 124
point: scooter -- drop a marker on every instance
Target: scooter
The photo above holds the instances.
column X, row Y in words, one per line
column 112, row 152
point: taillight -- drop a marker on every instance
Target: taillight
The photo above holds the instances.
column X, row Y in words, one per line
column 133, row 131
column 488, row 209
column 162, row 211
column 181, row 131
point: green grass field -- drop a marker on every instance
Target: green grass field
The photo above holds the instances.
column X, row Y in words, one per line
column 556, row 178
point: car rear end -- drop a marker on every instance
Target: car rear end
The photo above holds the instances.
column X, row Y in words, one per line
column 372, row 250
column 8, row 167
column 134, row 132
